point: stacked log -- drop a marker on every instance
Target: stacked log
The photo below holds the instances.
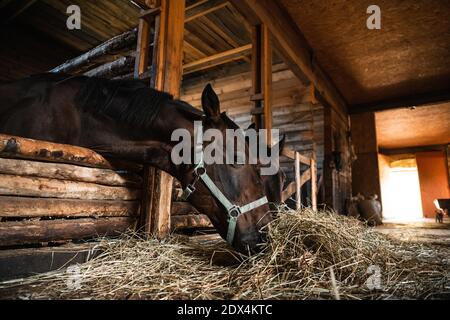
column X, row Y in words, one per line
column 52, row 192
column 108, row 48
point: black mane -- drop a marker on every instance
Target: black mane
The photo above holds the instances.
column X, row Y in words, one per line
column 128, row 101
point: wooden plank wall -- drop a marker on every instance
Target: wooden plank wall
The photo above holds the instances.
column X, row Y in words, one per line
column 338, row 160
column 293, row 113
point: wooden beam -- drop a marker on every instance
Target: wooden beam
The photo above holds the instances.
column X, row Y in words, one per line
column 149, row 14
column 147, row 4
column 18, row 147
column 113, row 45
column 203, row 8
column 196, row 4
column 14, row 185
column 112, row 69
column 169, row 69
column 388, row 151
column 417, row 100
column 142, row 48
column 27, row 207
column 69, row 172
column 217, row 59
column 267, row 82
column 292, row 46
column 256, row 74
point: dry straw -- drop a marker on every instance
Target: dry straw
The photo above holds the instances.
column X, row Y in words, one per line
column 309, row 255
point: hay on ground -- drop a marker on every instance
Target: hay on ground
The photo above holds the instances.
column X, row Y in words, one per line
column 309, row 255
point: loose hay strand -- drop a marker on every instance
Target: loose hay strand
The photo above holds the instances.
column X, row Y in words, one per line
column 309, row 255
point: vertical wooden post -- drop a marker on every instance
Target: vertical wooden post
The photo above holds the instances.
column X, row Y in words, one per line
column 298, row 181
column 262, row 79
column 257, row 75
column 140, row 66
column 167, row 71
column 267, row 82
column 142, row 49
column 313, row 184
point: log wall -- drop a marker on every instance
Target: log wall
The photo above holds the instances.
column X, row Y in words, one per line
column 52, row 193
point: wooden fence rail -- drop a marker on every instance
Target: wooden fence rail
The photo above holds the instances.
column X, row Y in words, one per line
column 301, row 178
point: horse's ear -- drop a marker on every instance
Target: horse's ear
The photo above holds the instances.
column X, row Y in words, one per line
column 210, row 102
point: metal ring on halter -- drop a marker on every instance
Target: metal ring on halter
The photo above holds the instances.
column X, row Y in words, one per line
column 234, row 212
column 199, row 171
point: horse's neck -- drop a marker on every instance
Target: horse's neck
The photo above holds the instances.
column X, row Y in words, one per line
column 170, row 118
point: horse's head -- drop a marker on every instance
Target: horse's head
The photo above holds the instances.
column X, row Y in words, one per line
column 223, row 190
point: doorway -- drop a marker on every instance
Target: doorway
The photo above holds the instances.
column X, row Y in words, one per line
column 400, row 189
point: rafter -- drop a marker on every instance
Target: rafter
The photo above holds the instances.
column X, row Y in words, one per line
column 217, row 59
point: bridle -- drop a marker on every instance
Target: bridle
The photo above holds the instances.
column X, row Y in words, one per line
column 233, row 211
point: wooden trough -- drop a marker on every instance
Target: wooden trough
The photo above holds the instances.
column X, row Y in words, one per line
column 52, row 192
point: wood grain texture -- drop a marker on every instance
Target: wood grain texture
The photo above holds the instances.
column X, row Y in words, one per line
column 267, row 81
column 51, row 188
column 18, row 147
column 68, row 172
column 29, row 232
column 111, row 46
column 190, row 221
column 169, row 70
column 27, row 207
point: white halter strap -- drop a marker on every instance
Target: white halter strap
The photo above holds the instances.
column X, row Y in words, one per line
column 233, row 211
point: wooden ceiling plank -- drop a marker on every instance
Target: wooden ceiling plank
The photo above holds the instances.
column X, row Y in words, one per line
column 19, row 9
column 198, row 3
column 197, row 11
column 192, row 50
column 222, row 33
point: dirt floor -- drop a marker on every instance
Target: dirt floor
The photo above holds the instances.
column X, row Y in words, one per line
column 426, row 231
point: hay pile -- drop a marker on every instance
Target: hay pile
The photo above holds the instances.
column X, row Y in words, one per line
column 309, row 255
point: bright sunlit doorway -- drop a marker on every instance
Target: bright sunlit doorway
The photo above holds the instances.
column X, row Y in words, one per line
column 401, row 192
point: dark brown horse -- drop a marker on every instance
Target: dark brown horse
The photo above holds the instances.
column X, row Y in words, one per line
column 126, row 119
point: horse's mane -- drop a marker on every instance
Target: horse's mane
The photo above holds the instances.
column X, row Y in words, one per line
column 128, row 101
